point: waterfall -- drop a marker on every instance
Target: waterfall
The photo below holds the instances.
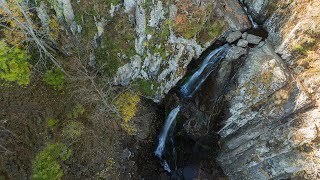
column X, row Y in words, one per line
column 188, row 89
column 207, row 66
column 254, row 24
column 163, row 136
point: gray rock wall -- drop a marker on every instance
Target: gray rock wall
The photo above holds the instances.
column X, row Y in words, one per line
column 271, row 131
column 169, row 69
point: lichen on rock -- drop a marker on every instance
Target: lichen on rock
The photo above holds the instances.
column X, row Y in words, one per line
column 171, row 44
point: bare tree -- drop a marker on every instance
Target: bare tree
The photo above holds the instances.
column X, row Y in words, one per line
column 25, row 25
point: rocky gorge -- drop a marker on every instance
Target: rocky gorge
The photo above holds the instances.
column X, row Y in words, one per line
column 204, row 89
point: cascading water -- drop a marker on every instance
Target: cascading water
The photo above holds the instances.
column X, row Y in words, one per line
column 254, row 24
column 163, row 136
column 206, row 68
column 188, row 90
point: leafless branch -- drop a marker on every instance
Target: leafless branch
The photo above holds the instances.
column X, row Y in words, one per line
column 27, row 28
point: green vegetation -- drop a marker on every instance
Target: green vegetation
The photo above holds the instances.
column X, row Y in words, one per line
column 304, row 47
column 73, row 130
column 190, row 18
column 159, row 37
column 52, row 122
column 13, row 64
column 86, row 10
column 117, row 44
column 46, row 164
column 211, row 30
column 127, row 105
column 90, row 7
column 108, row 171
column 77, row 111
column 118, row 38
column 145, row 86
column 298, row 49
column 54, row 78
column 197, row 21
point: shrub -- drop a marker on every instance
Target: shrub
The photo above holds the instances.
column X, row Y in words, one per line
column 45, row 166
column 52, row 122
column 108, row 171
column 304, row 46
column 144, row 86
column 73, row 130
column 13, row 65
column 54, row 78
column 54, row 28
column 15, row 34
column 76, row 112
column 127, row 105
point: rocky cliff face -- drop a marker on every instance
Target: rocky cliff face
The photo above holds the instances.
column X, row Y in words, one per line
column 271, row 119
column 169, row 34
column 271, row 131
column 146, row 44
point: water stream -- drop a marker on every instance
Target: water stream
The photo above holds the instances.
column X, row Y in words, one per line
column 166, row 148
column 163, row 136
column 209, row 64
column 254, row 24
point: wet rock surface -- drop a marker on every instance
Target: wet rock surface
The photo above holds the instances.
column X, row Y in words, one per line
column 196, row 121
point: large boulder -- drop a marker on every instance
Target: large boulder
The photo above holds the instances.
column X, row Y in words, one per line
column 233, row 36
column 235, row 52
column 252, row 39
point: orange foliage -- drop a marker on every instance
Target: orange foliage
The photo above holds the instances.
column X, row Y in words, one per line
column 14, row 35
column 190, row 18
column 180, row 19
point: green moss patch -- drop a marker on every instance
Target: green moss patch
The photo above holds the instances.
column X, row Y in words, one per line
column 55, row 78
column 190, row 18
column 211, row 30
column 46, row 165
column 13, row 64
column 52, row 122
column 117, row 44
column 146, row 87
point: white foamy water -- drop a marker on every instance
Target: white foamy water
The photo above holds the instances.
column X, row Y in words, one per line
column 163, row 136
column 206, row 68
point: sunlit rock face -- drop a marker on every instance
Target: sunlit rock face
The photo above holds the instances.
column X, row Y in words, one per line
column 170, row 34
column 271, row 121
column 271, row 130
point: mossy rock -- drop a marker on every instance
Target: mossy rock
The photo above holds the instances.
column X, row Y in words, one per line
column 117, row 44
